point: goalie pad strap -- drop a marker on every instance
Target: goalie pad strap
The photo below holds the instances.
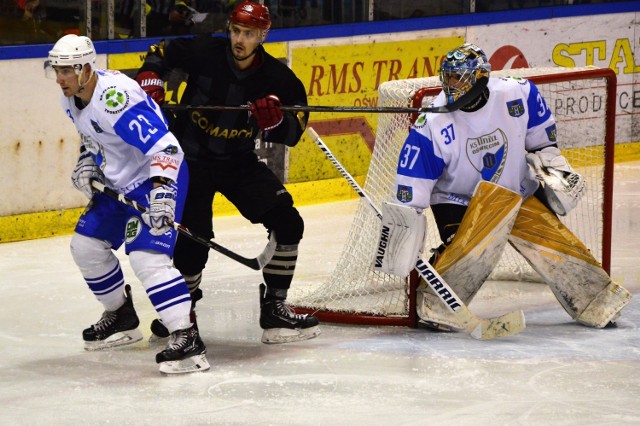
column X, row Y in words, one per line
column 575, row 277
column 401, row 239
column 475, row 249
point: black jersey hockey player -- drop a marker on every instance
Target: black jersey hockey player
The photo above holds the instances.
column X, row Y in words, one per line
column 219, row 149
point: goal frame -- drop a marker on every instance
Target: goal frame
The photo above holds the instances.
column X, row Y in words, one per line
column 610, row 79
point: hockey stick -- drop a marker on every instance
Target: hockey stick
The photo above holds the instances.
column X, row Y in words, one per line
column 483, row 329
column 462, row 101
column 256, row 263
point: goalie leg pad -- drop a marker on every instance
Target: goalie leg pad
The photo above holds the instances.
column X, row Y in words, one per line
column 474, row 251
column 401, row 240
column 605, row 307
column 575, row 277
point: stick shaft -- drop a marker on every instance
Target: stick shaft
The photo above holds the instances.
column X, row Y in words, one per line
column 462, row 101
column 253, row 263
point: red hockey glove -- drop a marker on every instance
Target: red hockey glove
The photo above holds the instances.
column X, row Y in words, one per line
column 152, row 84
column 267, row 112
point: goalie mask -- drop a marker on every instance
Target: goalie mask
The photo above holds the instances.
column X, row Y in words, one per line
column 70, row 51
column 460, row 70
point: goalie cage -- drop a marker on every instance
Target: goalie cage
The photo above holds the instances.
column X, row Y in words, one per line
column 583, row 102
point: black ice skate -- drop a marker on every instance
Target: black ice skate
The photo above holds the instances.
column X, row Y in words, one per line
column 115, row 328
column 185, row 353
column 281, row 324
column 158, row 329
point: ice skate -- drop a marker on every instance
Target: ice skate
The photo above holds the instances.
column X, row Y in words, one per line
column 158, row 329
column 115, row 328
column 281, row 324
column 185, row 353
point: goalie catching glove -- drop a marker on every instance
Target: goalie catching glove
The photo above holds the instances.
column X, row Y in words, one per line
column 267, row 112
column 85, row 171
column 563, row 187
column 162, row 210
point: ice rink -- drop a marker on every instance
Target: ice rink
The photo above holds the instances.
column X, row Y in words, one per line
column 554, row 373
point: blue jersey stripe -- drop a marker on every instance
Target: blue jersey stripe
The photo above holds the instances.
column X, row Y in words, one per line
column 427, row 166
column 538, row 110
column 141, row 127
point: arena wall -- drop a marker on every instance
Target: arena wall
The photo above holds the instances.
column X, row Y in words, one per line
column 343, row 67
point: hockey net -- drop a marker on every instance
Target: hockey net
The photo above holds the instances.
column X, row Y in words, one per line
column 583, row 102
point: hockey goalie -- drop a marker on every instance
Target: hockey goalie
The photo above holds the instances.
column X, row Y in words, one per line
column 492, row 175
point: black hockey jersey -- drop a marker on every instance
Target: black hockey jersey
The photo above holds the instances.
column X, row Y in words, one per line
column 214, row 80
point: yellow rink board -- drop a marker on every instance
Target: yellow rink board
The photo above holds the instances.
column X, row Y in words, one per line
column 60, row 222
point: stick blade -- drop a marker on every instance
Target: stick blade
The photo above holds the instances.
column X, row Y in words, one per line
column 502, row 326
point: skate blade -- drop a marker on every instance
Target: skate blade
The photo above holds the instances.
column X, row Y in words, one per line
column 122, row 338
column 188, row 365
column 154, row 339
column 287, row 335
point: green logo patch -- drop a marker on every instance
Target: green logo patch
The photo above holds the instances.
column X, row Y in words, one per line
column 133, row 229
column 114, row 99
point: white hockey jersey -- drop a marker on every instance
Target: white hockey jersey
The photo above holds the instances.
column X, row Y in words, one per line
column 446, row 155
column 126, row 132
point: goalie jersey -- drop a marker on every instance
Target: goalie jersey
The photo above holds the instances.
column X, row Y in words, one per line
column 446, row 155
column 125, row 132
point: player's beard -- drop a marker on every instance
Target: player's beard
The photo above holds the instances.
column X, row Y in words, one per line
column 239, row 58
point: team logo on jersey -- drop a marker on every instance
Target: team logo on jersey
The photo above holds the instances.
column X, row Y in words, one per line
column 421, row 121
column 133, row 229
column 114, row 99
column 515, row 108
column 488, row 154
column 552, row 133
column 404, row 194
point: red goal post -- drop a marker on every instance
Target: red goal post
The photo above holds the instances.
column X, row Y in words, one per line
column 583, row 101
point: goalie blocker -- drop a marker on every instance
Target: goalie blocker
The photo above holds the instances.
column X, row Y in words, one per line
column 401, row 239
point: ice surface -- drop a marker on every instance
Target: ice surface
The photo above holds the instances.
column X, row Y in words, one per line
column 554, row 373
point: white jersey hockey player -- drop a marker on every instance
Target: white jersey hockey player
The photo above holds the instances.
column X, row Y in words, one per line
column 126, row 144
column 471, row 167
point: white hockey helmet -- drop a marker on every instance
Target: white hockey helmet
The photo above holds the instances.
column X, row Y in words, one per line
column 72, row 50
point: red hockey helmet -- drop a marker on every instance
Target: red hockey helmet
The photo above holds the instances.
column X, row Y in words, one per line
column 252, row 15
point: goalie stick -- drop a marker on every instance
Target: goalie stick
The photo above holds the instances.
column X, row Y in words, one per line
column 482, row 329
column 462, row 101
column 256, row 263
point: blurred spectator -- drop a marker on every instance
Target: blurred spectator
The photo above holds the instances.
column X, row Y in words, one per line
column 29, row 7
column 158, row 17
column 181, row 17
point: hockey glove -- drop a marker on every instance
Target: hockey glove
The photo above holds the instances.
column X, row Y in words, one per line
column 549, row 157
column 267, row 112
column 152, row 84
column 85, row 171
column 563, row 187
column 162, row 210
